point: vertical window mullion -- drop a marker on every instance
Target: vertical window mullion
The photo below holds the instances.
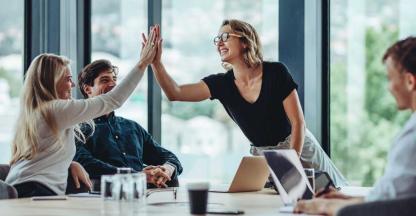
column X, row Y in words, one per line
column 154, row 93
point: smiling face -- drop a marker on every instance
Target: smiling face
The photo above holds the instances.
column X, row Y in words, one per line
column 401, row 84
column 65, row 85
column 231, row 49
column 106, row 81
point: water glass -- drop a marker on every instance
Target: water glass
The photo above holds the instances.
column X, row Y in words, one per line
column 310, row 174
column 124, row 170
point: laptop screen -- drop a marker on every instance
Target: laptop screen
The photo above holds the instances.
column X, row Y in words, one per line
column 288, row 175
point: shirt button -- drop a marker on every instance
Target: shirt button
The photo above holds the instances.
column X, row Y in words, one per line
column 116, row 137
column 124, row 153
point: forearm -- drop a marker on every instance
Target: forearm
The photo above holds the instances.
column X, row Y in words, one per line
column 332, row 207
column 297, row 136
column 169, row 86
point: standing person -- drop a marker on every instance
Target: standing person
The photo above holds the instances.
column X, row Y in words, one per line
column 259, row 96
column 44, row 144
column 399, row 178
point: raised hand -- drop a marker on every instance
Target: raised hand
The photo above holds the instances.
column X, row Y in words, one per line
column 158, row 44
column 149, row 47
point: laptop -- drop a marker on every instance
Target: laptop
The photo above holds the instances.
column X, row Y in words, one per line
column 288, row 176
column 251, row 175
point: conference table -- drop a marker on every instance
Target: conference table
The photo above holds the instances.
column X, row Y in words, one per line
column 265, row 202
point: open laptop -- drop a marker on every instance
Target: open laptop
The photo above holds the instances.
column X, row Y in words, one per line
column 288, row 176
column 251, row 175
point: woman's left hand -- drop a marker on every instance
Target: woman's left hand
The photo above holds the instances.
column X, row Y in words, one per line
column 80, row 175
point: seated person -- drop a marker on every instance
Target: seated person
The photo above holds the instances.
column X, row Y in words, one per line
column 399, row 179
column 119, row 142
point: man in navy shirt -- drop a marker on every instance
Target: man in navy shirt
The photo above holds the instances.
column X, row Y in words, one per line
column 119, row 142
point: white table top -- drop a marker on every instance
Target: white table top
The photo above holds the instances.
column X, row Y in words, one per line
column 265, row 202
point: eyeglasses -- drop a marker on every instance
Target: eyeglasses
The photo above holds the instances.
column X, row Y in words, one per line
column 114, row 69
column 224, row 37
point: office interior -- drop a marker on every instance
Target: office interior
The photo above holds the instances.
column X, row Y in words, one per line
column 332, row 48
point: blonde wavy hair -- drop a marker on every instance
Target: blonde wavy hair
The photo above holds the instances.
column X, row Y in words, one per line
column 252, row 54
column 39, row 89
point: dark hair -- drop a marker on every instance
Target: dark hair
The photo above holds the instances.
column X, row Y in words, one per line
column 92, row 71
column 403, row 53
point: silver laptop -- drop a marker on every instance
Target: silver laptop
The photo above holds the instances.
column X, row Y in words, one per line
column 251, row 175
column 288, row 176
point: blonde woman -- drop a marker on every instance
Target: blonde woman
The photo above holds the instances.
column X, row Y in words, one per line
column 44, row 143
column 259, row 96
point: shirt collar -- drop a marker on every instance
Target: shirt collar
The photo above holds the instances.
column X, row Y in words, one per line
column 104, row 118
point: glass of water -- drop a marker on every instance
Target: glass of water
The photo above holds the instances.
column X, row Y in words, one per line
column 107, row 184
column 310, row 174
column 124, row 170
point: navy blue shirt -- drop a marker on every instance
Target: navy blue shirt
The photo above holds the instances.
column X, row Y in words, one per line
column 119, row 142
column 264, row 122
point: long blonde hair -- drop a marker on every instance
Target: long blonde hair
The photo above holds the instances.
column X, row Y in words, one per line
column 252, row 54
column 39, row 88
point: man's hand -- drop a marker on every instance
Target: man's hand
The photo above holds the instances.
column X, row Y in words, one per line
column 331, row 193
column 324, row 206
column 157, row 175
column 80, row 175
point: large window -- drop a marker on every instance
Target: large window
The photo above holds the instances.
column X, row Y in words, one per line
column 364, row 117
column 11, row 71
column 202, row 135
column 116, row 28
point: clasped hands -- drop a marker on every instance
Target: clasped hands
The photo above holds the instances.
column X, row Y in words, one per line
column 157, row 175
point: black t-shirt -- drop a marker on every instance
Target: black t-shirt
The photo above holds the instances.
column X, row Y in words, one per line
column 264, row 122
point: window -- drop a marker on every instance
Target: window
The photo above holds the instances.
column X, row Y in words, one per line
column 208, row 143
column 11, row 71
column 364, row 117
column 116, row 28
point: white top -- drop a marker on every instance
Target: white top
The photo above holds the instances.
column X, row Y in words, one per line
column 50, row 165
column 399, row 179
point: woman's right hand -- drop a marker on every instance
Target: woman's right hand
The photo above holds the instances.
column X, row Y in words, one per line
column 149, row 48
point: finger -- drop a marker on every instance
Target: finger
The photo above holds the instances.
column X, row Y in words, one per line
column 159, row 180
column 163, row 174
column 76, row 181
column 163, row 185
column 144, row 37
column 89, row 182
column 85, row 180
column 158, row 31
column 152, row 35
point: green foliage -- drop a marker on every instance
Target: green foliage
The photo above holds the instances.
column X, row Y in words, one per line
column 360, row 151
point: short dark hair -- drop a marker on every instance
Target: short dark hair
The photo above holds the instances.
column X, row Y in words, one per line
column 403, row 53
column 92, row 71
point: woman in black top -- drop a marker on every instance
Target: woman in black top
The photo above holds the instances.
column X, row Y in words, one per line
column 259, row 96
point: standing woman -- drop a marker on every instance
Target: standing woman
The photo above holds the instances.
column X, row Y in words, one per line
column 259, row 96
column 44, row 144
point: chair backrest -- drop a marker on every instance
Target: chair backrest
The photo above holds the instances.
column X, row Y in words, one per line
column 4, row 170
column 7, row 191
